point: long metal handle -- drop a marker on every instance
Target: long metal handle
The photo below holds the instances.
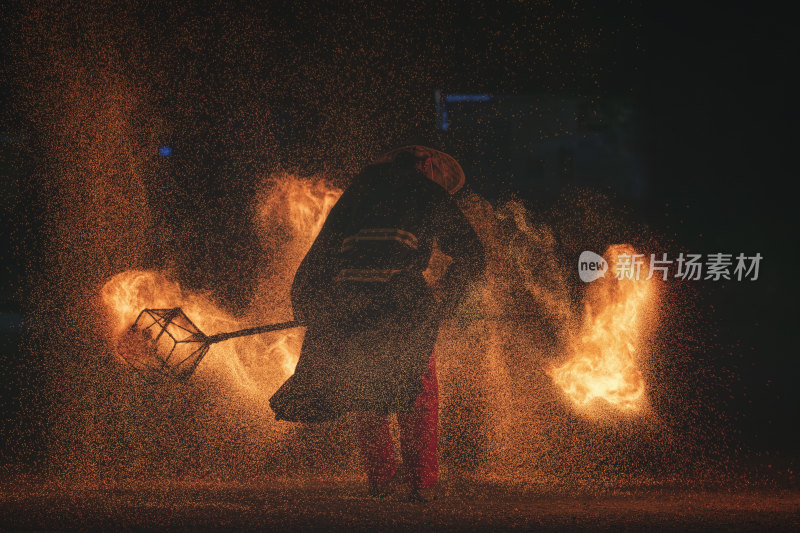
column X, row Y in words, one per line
column 219, row 337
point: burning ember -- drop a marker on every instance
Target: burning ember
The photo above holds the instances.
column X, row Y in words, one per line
column 603, row 362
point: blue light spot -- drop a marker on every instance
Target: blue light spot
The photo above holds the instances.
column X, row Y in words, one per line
column 165, row 151
column 467, row 97
column 442, row 120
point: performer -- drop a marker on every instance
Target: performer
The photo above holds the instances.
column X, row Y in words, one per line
column 372, row 320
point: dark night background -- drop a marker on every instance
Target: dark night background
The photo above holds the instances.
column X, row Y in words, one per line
column 690, row 115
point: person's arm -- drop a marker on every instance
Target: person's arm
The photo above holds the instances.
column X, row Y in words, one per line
column 457, row 239
column 310, row 294
column 311, row 288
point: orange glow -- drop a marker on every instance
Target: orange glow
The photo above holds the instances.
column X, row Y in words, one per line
column 302, row 204
column 604, row 355
column 253, row 365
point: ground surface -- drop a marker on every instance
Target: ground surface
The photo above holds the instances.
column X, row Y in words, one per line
column 342, row 506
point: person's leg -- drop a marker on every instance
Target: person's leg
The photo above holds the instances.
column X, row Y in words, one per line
column 419, row 432
column 377, row 449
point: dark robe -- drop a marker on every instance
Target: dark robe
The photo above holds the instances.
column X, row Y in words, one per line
column 372, row 319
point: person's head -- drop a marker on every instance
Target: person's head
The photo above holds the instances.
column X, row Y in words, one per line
column 435, row 165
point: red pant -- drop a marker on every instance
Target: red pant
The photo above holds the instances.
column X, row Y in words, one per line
column 418, row 437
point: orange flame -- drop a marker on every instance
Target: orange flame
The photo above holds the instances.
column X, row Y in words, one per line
column 604, row 354
column 253, row 365
column 603, row 362
column 302, row 204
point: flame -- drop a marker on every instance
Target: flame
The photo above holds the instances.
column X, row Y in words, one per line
column 603, row 361
column 302, row 204
column 254, row 365
column 604, row 354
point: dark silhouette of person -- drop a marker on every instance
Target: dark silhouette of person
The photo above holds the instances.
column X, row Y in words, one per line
column 371, row 318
